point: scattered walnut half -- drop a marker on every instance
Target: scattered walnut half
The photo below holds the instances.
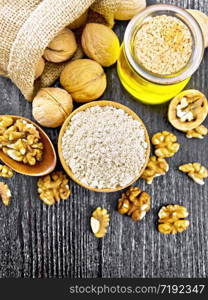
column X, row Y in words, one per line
column 53, row 188
column 156, row 166
column 188, row 110
column 165, row 144
column 171, row 219
column 134, row 203
column 196, row 171
column 5, row 171
column 20, row 140
column 198, row 132
column 99, row 222
column 5, row 193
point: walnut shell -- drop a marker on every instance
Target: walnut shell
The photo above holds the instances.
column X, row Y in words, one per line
column 197, row 106
column 79, row 21
column 202, row 19
column 84, row 79
column 127, row 9
column 51, row 107
column 101, row 44
column 62, row 47
column 39, row 68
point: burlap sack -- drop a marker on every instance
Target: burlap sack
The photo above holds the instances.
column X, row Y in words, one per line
column 27, row 27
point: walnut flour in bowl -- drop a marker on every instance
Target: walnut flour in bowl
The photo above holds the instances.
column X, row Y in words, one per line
column 163, row 45
column 104, row 146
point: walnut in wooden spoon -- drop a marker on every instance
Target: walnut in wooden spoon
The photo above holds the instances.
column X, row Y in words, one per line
column 29, row 151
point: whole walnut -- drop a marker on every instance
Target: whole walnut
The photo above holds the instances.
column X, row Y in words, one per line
column 62, row 47
column 101, row 44
column 84, row 79
column 127, row 9
column 39, row 68
column 51, row 107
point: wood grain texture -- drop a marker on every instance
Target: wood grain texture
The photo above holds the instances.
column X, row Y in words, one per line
column 45, row 242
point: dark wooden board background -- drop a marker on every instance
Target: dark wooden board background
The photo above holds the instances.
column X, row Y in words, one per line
column 45, row 242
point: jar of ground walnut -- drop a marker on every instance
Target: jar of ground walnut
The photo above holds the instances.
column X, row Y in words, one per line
column 163, row 46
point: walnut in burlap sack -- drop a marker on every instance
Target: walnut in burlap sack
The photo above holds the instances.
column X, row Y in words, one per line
column 27, row 27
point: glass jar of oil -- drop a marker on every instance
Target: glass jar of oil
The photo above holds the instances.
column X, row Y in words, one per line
column 153, row 88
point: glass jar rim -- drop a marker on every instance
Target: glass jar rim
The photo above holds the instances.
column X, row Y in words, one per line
column 197, row 53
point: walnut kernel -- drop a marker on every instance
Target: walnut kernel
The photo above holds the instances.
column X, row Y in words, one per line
column 171, row 219
column 5, row 193
column 156, row 166
column 198, row 132
column 53, row 188
column 165, row 144
column 6, row 172
column 99, row 222
column 196, row 171
column 134, row 203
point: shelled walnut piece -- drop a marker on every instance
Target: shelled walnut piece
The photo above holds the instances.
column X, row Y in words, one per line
column 156, row 166
column 6, row 172
column 134, row 203
column 165, row 144
column 5, row 193
column 99, row 222
column 196, row 171
column 198, row 132
column 20, row 140
column 188, row 110
column 53, row 188
column 171, row 219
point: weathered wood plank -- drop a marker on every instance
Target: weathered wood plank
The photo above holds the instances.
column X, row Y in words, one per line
column 40, row 241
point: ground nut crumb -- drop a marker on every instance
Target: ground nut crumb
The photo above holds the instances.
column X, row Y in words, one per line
column 163, row 45
column 104, row 147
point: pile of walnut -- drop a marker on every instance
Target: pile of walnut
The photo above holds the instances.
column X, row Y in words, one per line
column 172, row 219
column 165, row 146
column 85, row 46
column 134, row 203
column 20, row 140
column 53, row 188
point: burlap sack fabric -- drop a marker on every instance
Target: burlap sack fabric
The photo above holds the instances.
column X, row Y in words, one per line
column 27, row 27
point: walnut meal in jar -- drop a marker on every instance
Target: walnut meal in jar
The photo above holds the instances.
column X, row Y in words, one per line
column 163, row 45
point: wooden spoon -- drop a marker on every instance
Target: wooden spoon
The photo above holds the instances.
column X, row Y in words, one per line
column 41, row 168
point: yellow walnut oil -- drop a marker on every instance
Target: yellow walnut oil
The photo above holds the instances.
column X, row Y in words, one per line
column 142, row 89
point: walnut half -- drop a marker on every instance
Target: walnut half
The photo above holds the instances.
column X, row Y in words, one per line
column 99, row 222
column 165, row 144
column 197, row 133
column 134, row 203
column 196, row 171
column 53, row 188
column 172, row 219
column 188, row 110
column 156, row 166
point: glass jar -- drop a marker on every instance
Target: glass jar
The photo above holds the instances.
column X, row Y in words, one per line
column 152, row 88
